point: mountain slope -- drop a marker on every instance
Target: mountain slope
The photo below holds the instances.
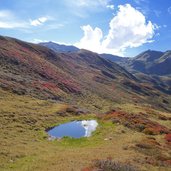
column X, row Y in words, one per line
column 148, row 62
column 59, row 48
column 151, row 62
column 114, row 58
column 162, row 65
column 77, row 77
column 25, row 69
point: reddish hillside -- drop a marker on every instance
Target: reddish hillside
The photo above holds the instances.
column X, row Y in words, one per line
column 25, row 69
column 84, row 76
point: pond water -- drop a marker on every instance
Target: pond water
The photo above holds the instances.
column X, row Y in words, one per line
column 75, row 129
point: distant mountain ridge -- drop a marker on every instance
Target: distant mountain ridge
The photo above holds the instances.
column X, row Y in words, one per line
column 149, row 62
column 59, row 47
column 114, row 58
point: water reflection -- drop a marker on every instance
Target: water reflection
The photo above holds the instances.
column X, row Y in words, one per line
column 89, row 127
column 75, row 129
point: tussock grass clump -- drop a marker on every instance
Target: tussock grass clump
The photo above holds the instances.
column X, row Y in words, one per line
column 109, row 165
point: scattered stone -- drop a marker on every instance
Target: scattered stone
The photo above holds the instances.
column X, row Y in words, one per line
column 12, row 161
column 106, row 139
column 51, row 138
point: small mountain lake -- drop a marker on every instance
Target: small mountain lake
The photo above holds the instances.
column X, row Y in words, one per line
column 74, row 129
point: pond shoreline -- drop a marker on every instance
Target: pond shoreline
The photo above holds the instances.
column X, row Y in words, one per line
column 73, row 129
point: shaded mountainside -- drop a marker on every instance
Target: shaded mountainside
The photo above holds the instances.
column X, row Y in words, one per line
column 151, row 62
column 148, row 62
column 78, row 77
column 59, row 48
column 152, row 67
column 114, row 58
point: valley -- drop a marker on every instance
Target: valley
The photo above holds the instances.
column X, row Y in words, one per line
column 41, row 88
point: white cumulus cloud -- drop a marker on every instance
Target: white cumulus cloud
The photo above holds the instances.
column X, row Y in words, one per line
column 91, row 39
column 38, row 21
column 128, row 29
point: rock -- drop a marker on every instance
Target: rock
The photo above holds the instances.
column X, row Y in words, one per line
column 51, row 138
column 12, row 161
column 106, row 139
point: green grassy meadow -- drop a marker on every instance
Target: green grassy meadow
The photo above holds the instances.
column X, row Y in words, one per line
column 24, row 144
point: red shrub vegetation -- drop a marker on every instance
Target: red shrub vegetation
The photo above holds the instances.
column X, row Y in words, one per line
column 138, row 122
column 168, row 137
column 87, row 169
column 38, row 63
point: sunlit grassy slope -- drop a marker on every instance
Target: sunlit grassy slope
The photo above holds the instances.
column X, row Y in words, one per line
column 24, row 144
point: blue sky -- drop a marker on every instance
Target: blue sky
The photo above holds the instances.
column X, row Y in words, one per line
column 122, row 27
